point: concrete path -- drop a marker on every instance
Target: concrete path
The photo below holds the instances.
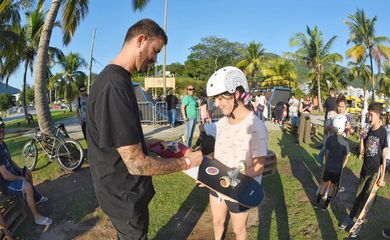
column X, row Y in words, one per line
column 153, row 131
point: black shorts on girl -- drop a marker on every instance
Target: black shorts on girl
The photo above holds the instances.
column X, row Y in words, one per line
column 329, row 176
column 232, row 206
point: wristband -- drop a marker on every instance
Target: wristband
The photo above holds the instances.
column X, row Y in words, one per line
column 188, row 162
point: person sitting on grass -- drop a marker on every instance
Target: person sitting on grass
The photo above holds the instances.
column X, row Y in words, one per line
column 336, row 157
column 373, row 147
column 15, row 181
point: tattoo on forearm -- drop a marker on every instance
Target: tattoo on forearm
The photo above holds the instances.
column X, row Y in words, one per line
column 139, row 164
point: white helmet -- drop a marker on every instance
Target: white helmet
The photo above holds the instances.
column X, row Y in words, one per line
column 339, row 122
column 226, row 79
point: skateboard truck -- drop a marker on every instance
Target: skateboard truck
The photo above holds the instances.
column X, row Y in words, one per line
column 231, row 179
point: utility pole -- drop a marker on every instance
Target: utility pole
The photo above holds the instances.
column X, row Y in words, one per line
column 90, row 62
column 165, row 51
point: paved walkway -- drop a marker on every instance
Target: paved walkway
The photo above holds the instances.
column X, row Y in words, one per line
column 151, row 131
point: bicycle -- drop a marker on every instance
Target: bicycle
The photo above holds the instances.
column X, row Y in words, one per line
column 67, row 151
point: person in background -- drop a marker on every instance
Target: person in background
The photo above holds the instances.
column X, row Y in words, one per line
column 189, row 111
column 293, row 110
column 171, row 101
column 15, row 181
column 315, row 104
column 329, row 105
column 304, row 127
column 373, row 147
column 211, row 108
column 81, row 109
column 204, row 114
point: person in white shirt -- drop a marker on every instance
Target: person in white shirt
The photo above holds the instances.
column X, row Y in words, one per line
column 240, row 136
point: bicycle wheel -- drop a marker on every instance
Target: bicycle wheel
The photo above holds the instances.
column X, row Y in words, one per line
column 70, row 154
column 30, row 154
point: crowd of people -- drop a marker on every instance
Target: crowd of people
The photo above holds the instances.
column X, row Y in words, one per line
column 122, row 169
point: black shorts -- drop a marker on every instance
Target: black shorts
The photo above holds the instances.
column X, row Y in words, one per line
column 329, row 176
column 232, row 206
column 132, row 228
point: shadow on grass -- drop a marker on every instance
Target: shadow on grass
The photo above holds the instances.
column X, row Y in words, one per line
column 71, row 200
column 181, row 225
column 305, row 169
column 275, row 203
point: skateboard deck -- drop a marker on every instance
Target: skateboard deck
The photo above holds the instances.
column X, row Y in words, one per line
column 355, row 229
column 229, row 183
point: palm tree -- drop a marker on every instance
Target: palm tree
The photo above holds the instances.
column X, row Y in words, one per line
column 362, row 35
column 385, row 80
column 253, row 60
column 70, row 65
column 279, row 71
column 336, row 77
column 73, row 12
column 314, row 53
column 359, row 70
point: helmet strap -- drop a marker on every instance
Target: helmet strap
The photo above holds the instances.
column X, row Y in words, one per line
column 235, row 105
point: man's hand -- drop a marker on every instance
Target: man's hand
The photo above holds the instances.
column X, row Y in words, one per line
column 195, row 157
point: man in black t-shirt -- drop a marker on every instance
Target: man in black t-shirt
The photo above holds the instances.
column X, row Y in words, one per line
column 374, row 145
column 330, row 103
column 171, row 101
column 120, row 166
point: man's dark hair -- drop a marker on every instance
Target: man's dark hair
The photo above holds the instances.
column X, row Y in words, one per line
column 375, row 107
column 332, row 91
column 82, row 87
column 147, row 27
column 341, row 98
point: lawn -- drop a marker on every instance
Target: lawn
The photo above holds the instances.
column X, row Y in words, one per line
column 286, row 213
column 56, row 116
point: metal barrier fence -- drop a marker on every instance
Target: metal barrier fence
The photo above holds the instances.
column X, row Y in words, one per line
column 158, row 113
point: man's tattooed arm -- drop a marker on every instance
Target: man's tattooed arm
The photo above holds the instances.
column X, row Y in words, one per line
column 139, row 164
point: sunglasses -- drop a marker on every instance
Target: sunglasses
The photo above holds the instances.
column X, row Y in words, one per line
column 190, row 89
column 83, row 90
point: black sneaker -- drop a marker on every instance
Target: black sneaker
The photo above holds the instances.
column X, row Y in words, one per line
column 325, row 207
column 345, row 223
column 316, row 205
column 386, row 233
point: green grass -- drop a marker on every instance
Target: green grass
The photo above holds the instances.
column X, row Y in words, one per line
column 56, row 116
column 286, row 213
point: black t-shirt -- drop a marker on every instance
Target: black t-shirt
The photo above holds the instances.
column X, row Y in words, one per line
column 338, row 148
column 113, row 121
column 330, row 105
column 374, row 144
column 171, row 101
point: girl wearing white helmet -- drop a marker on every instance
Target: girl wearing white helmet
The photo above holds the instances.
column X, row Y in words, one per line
column 336, row 157
column 241, row 136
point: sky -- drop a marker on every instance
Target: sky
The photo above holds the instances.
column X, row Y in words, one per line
column 270, row 22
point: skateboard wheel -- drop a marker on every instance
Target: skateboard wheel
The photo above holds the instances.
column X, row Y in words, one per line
column 242, row 166
column 225, row 181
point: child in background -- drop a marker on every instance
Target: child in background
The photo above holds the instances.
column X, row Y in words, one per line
column 336, row 157
column 374, row 147
column 204, row 113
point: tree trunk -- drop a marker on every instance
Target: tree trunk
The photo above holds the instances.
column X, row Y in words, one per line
column 45, row 121
column 372, row 76
column 319, row 92
column 24, row 102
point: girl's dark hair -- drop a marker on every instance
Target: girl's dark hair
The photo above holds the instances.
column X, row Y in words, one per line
column 241, row 90
column 203, row 101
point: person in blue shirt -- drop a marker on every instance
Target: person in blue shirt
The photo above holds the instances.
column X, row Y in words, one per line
column 15, row 181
